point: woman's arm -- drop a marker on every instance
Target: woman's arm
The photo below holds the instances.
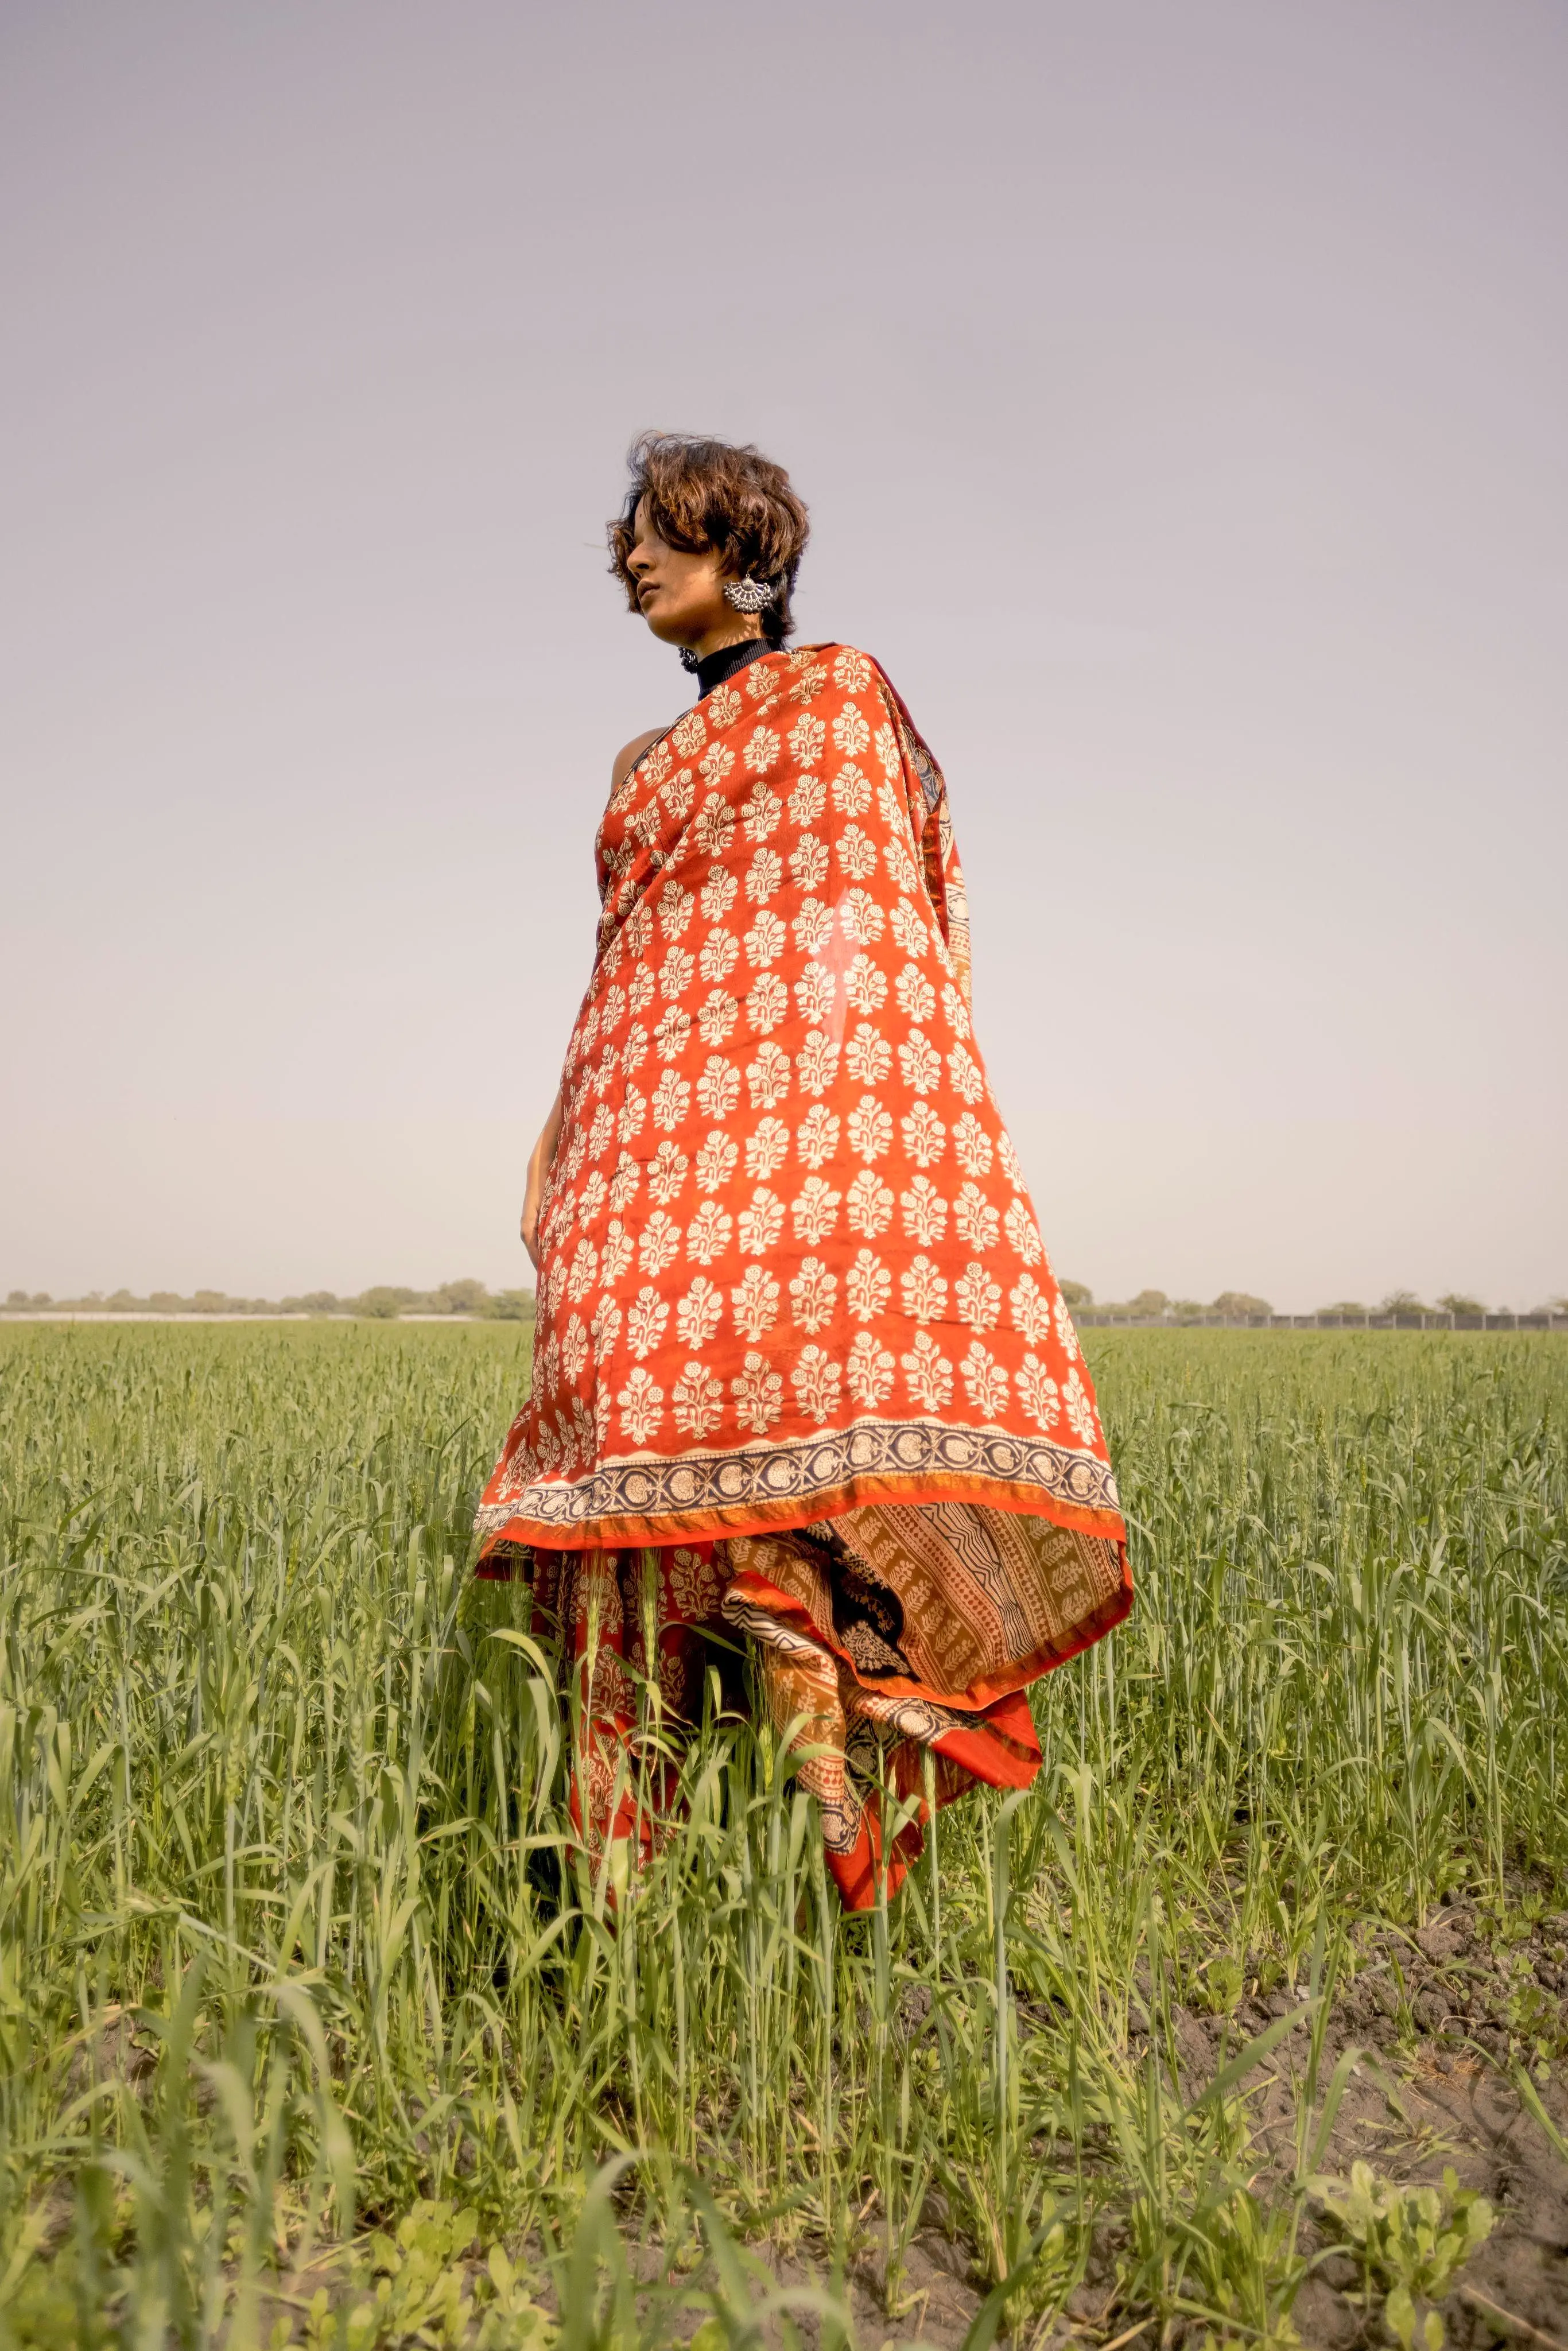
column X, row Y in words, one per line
column 538, row 1168
column 543, row 1152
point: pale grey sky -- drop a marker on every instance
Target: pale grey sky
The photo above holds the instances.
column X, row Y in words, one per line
column 1178, row 391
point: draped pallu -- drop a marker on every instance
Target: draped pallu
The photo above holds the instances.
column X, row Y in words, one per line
column 802, row 1370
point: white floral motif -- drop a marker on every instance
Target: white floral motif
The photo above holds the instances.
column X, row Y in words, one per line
column 1038, row 1392
column 1030, row 1312
column 807, row 737
column 863, row 919
column 808, row 861
column 767, row 1077
column 867, row 1286
column 856, row 854
column 672, row 1100
column 920, row 1061
column 698, row 1400
column 915, row 994
column 699, row 1314
column 641, row 1404
column 618, row 1250
column 924, row 1290
column 767, row 1149
column 870, row 1129
column 674, row 909
column 755, row 1299
column 719, row 893
column 809, row 799
column 584, row 1265
column 908, row 929
column 979, row 1298
column 887, row 748
column 720, row 954
column 901, row 866
column 612, row 1011
column 850, row 733
column 756, row 1392
column 761, row 813
column 723, row 708
column 595, row 1192
column 634, row 1113
column 1023, row 1233
column 716, row 763
column 972, row 1145
column 957, row 1010
column 924, row 1135
column 815, row 1380
column 817, row 1063
column 868, row 1056
column 814, row 992
column 1011, row 1168
column 660, row 1244
column 768, row 1002
column 812, row 926
column 667, row 1172
column 605, row 1327
column 689, row 735
column 817, row 1136
column 717, row 1161
column 707, row 1235
column 765, row 939
column 763, row 875
column 645, row 1320
column 762, row 751
column 852, row 792
column 813, row 1293
column 869, row 1371
column 924, row 1211
column 985, row 1381
column 1080, row 1411
column 678, row 795
column 654, row 765
column 716, row 1017
column 976, row 1221
column 638, row 934
column 714, row 827
column 673, row 1033
column 929, row 1372
column 851, row 671
column 965, row 1075
column 1066, row 1336
column 869, row 1205
column 762, row 1222
column 718, row 1088
column 639, row 987
column 575, row 1351
column 865, row 985
column 759, row 682
column 815, row 1210
column 634, row 1052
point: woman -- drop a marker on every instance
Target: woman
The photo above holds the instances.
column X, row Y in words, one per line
column 802, row 1370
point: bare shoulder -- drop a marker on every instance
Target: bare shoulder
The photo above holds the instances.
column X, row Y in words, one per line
column 630, row 753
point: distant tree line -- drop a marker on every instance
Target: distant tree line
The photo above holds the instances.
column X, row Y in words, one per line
column 1240, row 1306
column 383, row 1303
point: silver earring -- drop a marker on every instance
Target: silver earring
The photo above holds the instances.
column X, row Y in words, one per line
column 749, row 595
column 689, row 658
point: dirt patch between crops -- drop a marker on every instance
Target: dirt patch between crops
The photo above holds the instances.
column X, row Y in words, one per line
column 1441, row 2017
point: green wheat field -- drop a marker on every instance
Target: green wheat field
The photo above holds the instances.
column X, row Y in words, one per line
column 319, row 2028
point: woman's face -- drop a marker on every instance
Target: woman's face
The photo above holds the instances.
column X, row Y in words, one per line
column 680, row 596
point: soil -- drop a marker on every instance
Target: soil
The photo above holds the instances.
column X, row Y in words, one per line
column 1440, row 2017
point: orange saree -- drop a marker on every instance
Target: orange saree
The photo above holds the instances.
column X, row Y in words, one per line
column 802, row 1370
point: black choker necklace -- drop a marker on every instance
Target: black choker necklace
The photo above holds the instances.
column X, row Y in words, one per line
column 716, row 667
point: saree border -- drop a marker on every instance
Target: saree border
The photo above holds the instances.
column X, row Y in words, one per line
column 757, row 1487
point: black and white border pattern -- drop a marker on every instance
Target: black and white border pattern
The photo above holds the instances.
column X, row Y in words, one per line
column 805, row 1469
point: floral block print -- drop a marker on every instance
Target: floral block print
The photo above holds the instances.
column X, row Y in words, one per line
column 790, row 1260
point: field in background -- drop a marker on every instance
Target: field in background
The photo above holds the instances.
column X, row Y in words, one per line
column 294, row 1936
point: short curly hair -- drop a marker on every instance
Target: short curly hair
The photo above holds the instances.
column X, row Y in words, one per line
column 706, row 494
